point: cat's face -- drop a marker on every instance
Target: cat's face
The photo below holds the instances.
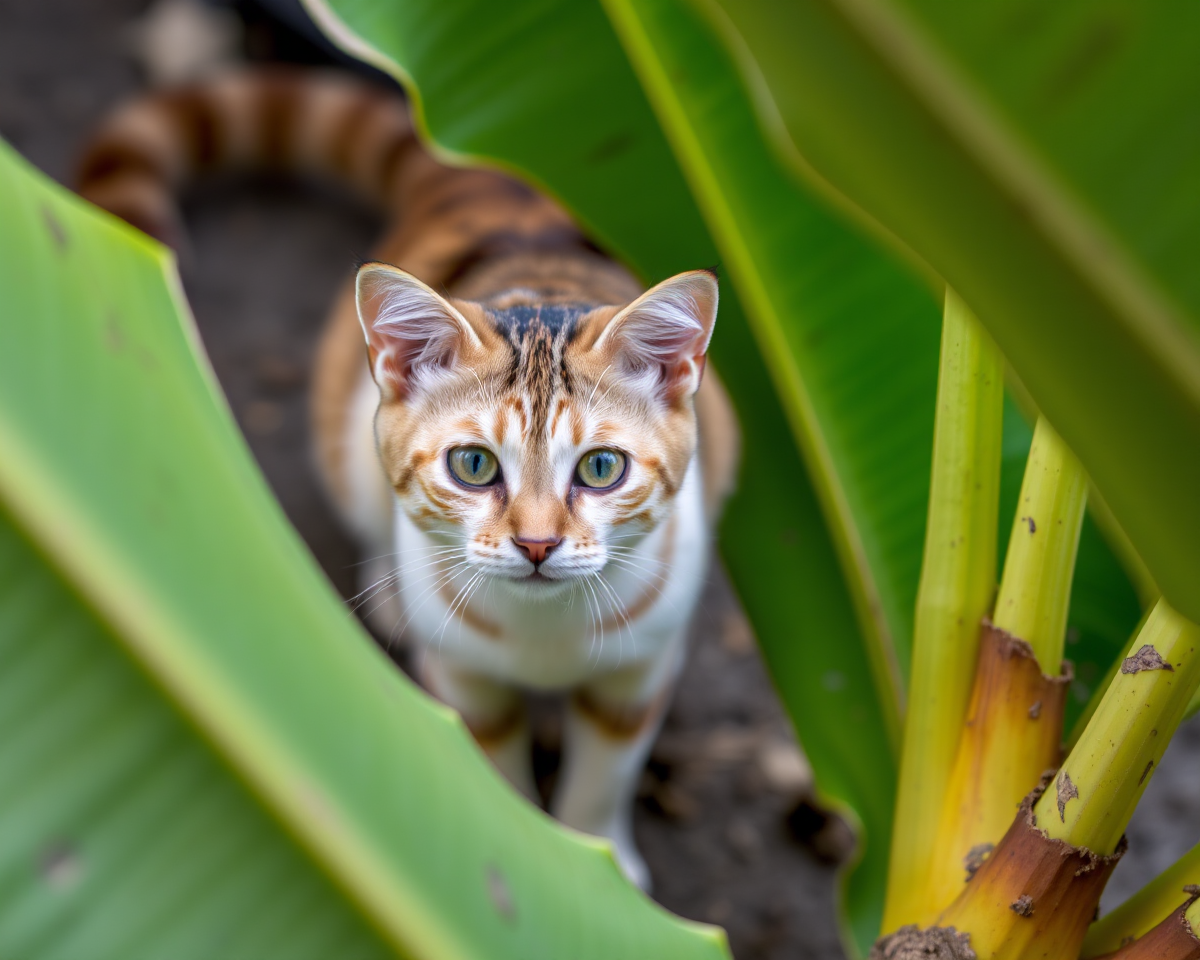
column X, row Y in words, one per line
column 538, row 443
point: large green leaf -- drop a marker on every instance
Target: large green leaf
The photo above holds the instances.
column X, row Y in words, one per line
column 841, row 330
column 201, row 754
column 1042, row 158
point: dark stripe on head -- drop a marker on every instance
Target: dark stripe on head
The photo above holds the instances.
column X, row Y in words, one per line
column 538, row 336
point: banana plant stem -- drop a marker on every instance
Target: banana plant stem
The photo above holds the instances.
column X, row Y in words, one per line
column 1095, row 792
column 1192, row 915
column 1089, row 709
column 958, row 578
column 1035, row 591
column 1139, row 914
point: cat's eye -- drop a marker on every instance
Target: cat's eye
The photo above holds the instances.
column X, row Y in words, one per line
column 600, row 469
column 474, row 466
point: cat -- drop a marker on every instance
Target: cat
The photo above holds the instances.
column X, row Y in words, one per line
column 529, row 445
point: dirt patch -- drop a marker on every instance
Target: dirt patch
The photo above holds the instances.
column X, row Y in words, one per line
column 936, row 943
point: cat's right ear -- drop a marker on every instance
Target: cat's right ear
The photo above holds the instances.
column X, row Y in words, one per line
column 412, row 332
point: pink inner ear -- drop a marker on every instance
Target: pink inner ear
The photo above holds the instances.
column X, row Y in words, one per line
column 669, row 328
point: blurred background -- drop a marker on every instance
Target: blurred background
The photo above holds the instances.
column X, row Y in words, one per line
column 725, row 814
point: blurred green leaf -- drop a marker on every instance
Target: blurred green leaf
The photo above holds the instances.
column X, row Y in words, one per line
column 1042, row 158
column 201, row 754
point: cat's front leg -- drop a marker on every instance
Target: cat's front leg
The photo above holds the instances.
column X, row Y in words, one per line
column 609, row 728
column 493, row 712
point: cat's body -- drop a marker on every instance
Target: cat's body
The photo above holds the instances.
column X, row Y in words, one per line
column 519, row 456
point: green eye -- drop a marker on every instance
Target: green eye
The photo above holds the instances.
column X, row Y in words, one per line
column 600, row 468
column 474, row 466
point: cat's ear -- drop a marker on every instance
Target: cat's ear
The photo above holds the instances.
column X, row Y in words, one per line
column 411, row 331
column 666, row 331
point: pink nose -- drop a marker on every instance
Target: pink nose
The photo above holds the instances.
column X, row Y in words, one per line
column 536, row 550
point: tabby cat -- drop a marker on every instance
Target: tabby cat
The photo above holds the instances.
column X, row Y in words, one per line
column 527, row 445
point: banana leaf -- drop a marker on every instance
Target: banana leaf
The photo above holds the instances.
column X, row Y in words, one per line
column 201, row 753
column 1042, row 158
column 832, row 363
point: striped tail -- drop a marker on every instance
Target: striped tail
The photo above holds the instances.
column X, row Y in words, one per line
column 299, row 121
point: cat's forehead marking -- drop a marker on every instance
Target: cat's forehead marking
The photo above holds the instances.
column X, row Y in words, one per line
column 558, row 319
column 538, row 335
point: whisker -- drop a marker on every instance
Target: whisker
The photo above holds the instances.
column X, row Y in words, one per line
column 396, row 553
column 425, row 597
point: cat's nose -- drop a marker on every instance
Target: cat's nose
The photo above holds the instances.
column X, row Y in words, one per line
column 536, row 550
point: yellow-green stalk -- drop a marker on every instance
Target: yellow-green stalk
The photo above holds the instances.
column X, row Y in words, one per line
column 1089, row 709
column 1035, row 591
column 958, row 578
column 1139, row 914
column 1095, row 792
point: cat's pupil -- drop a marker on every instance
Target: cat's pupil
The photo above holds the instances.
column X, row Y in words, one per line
column 602, row 465
column 475, row 463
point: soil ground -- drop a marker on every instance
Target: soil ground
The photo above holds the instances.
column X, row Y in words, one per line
column 729, row 838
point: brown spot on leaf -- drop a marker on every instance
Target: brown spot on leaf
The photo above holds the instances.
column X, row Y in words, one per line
column 612, row 147
column 1035, row 710
column 976, row 857
column 114, row 336
column 1147, row 658
column 1022, row 906
column 499, row 893
column 1145, row 773
column 57, row 233
column 1067, row 791
column 1032, row 525
column 60, row 866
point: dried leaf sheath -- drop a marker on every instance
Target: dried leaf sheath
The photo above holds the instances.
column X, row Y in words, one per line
column 1172, row 939
column 1011, row 736
column 1033, row 896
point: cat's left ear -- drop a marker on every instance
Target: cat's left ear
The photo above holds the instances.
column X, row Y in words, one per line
column 666, row 330
column 412, row 332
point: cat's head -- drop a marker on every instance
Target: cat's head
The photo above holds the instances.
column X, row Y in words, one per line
column 540, row 439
